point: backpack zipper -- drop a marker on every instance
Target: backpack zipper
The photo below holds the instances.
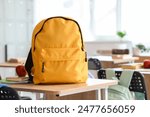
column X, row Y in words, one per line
column 85, row 56
column 42, row 67
column 82, row 48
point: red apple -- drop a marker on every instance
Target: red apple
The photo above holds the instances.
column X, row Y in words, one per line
column 21, row 71
column 146, row 63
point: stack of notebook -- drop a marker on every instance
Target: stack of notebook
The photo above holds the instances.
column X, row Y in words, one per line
column 10, row 80
column 132, row 66
column 17, row 79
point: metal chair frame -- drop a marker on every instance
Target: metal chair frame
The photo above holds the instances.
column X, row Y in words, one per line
column 8, row 93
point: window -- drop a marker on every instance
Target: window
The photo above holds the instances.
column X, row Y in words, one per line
column 104, row 17
column 97, row 17
column 136, row 20
column 101, row 19
column 77, row 9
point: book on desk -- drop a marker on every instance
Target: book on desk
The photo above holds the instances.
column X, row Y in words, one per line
column 9, row 80
column 17, row 79
column 133, row 66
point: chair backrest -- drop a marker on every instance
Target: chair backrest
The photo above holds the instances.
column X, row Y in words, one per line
column 93, row 66
column 137, row 83
column 8, row 93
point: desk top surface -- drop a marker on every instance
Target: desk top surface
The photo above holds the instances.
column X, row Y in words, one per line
column 141, row 70
column 7, row 64
column 116, row 61
column 64, row 89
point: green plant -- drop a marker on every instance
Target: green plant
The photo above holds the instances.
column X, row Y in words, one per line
column 141, row 47
column 121, row 34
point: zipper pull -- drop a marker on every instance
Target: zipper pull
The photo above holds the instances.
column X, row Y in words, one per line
column 85, row 56
column 42, row 66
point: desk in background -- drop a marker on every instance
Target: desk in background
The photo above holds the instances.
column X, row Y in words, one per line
column 142, row 58
column 91, row 90
column 10, row 65
column 9, row 71
column 109, row 62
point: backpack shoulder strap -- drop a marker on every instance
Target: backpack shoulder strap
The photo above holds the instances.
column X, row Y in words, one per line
column 29, row 65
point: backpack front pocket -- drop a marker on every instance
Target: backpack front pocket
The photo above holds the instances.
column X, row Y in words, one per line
column 62, row 65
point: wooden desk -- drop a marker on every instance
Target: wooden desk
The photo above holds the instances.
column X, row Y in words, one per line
column 108, row 62
column 142, row 57
column 91, row 90
column 7, row 64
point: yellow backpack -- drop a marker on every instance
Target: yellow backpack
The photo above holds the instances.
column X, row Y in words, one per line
column 58, row 52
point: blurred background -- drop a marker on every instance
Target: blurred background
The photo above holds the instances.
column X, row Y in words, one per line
column 100, row 21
